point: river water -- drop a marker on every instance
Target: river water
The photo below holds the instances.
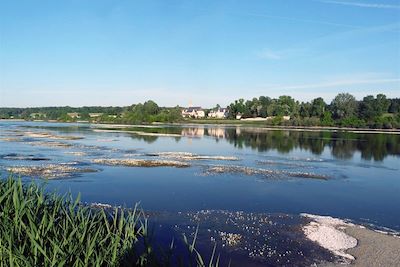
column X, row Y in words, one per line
column 229, row 169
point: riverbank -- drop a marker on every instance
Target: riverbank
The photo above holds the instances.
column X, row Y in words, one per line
column 357, row 245
column 374, row 248
column 232, row 123
column 251, row 125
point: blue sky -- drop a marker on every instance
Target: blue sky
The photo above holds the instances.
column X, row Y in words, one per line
column 83, row 52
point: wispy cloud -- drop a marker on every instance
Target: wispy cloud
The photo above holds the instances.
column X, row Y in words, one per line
column 334, row 83
column 269, row 54
column 361, row 4
column 314, row 49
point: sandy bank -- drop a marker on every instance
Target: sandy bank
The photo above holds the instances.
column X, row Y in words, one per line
column 138, row 133
column 357, row 245
column 220, row 169
column 190, row 156
column 48, row 135
column 374, row 248
column 50, row 171
column 141, row 163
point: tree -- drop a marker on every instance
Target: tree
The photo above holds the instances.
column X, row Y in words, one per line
column 382, row 104
column 150, row 108
column 286, row 106
column 237, row 107
column 394, row 105
column 371, row 107
column 305, row 109
column 318, row 107
column 344, row 105
column 367, row 107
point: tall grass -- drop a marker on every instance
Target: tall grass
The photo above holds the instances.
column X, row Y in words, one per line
column 39, row 229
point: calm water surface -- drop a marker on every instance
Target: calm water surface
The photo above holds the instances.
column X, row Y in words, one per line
column 362, row 170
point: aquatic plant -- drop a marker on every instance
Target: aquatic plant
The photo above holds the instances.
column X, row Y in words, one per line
column 39, row 229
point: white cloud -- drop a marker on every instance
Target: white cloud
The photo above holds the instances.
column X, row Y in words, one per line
column 362, row 4
column 269, row 54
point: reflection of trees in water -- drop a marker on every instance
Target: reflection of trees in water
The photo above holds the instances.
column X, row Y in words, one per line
column 343, row 148
column 149, row 138
column 343, row 145
column 282, row 141
column 146, row 138
column 378, row 146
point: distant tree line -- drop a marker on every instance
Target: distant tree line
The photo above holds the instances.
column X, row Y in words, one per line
column 344, row 111
column 139, row 113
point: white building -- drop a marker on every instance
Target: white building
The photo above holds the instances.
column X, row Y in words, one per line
column 95, row 115
column 74, row 115
column 220, row 113
column 193, row 112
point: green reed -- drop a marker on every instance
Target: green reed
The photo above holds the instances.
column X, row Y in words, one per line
column 39, row 229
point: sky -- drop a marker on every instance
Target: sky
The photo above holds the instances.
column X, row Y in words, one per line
column 205, row 52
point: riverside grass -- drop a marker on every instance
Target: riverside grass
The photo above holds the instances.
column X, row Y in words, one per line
column 39, row 229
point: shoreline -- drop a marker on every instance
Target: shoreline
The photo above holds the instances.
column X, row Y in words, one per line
column 258, row 126
column 239, row 123
column 355, row 244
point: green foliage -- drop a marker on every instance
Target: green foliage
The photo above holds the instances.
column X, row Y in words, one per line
column 150, row 112
column 38, row 229
column 372, row 107
column 46, row 230
column 318, row 107
column 352, row 122
column 327, row 120
column 344, row 105
column 344, row 111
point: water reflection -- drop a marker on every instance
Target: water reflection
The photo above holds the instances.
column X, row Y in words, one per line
column 342, row 145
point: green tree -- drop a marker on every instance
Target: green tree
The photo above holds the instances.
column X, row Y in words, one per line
column 344, row 105
column 318, row 107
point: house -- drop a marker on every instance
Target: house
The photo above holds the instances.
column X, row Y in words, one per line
column 193, row 112
column 38, row 115
column 220, row 113
column 95, row 115
column 74, row 115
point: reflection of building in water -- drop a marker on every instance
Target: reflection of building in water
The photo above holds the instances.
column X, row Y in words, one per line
column 238, row 131
column 193, row 132
column 216, row 132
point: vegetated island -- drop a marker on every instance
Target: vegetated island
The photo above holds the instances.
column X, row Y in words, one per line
column 343, row 112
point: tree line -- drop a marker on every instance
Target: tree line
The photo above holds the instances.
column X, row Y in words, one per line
column 344, row 110
column 147, row 112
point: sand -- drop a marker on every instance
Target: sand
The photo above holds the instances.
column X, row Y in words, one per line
column 357, row 245
column 141, row 163
column 191, row 156
column 276, row 174
column 374, row 249
column 328, row 233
